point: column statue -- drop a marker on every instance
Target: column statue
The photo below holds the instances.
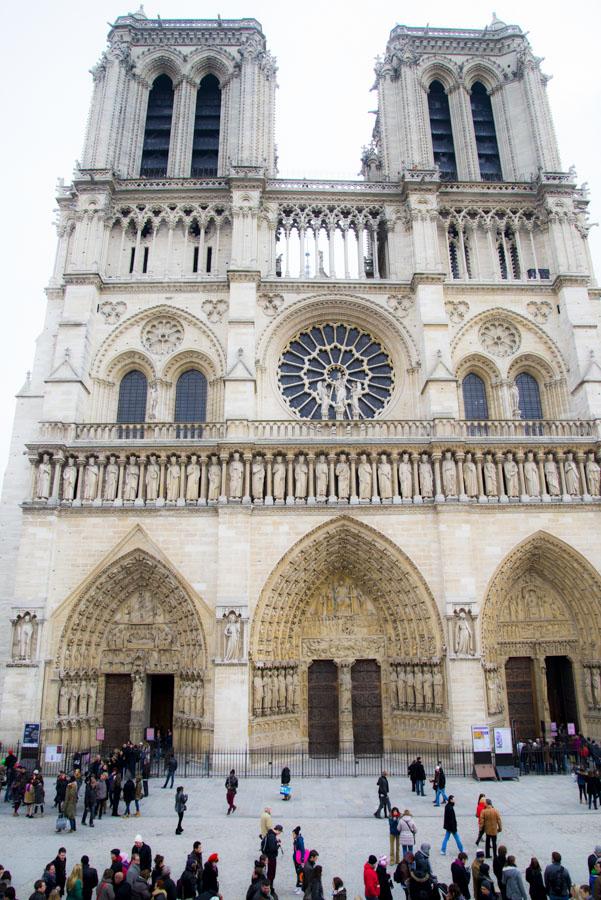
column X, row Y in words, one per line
column 173, row 475
column 512, row 484
column 153, row 473
column 470, row 476
column 425, row 476
column 552, row 476
column 321, row 477
column 463, row 643
column 258, row 477
column 236, row 468
column 192, row 479
column 405, row 478
column 24, row 629
column 572, row 476
column 385, row 478
column 531, row 478
column 231, row 637
column 449, row 475
column 69, row 479
column 364, row 474
column 324, row 397
column 132, row 476
column 490, row 476
column 428, row 690
column 258, row 692
column 438, row 682
column 593, row 474
column 90, row 484
column 43, row 478
column 300, row 477
column 343, row 475
column 279, row 478
column 214, row 479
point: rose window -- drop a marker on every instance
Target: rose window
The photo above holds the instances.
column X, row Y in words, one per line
column 162, row 335
column 335, row 371
column 499, row 338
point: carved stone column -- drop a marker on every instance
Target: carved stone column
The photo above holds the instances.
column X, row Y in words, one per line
column 247, row 464
column 160, row 501
column 290, row 479
column 482, row 498
column 59, row 462
column 542, row 697
column 459, row 457
column 396, row 497
column 332, row 498
column 80, row 462
column 202, row 499
column 354, row 499
column 417, row 497
column 345, row 695
column 520, row 461
column 560, row 457
column 374, row 478
column 439, row 496
column 311, row 480
column 269, row 481
column 503, row 498
column 140, row 499
column 181, row 500
column 119, row 498
column 138, row 704
column 224, row 457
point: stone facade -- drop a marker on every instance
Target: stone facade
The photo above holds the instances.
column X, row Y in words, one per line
column 335, row 500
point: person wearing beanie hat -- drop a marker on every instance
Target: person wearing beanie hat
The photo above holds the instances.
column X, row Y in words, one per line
column 486, row 886
column 422, row 865
column 144, row 852
column 370, row 878
column 210, row 876
column 384, row 879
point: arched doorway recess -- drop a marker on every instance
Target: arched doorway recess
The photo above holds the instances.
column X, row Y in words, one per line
column 346, row 647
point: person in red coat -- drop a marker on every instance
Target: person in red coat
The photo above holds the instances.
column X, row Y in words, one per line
column 370, row 878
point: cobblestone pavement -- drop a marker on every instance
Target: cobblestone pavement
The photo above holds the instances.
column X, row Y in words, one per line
column 540, row 814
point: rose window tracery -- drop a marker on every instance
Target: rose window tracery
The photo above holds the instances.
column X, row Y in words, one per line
column 162, row 336
column 335, row 371
column 499, row 338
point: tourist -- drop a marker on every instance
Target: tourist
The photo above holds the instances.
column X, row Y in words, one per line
column 422, row 865
column 60, row 791
column 10, row 761
column 105, row 890
column 534, row 879
column 285, row 789
column 593, row 787
column 170, row 770
column 420, row 777
column 557, row 878
column 70, row 804
column 256, row 879
column 394, row 835
column 195, row 856
column 308, row 872
column 316, row 886
column 144, row 852
column 39, row 890
column 180, row 807
column 168, row 883
column 231, row 787
column 39, row 794
column 486, row 886
column 421, row 877
column 18, row 788
column 461, row 875
column 49, row 877
column 116, row 861
column 188, row 881
column 75, row 882
column 266, row 822
column 157, row 869
column 115, row 792
column 138, row 794
column 452, row 893
column 339, row 891
column 476, row 867
column 145, row 774
column 264, row 891
column 411, row 773
column 89, row 878
column 439, row 783
column 450, row 825
column 299, row 857
column 370, row 879
column 60, row 867
column 129, row 795
column 407, row 831
column 89, row 802
column 594, row 856
column 122, row 887
column 101, row 789
column 480, row 806
column 513, row 882
column 581, row 782
column 210, row 876
column 384, row 879
column 159, row 892
column 498, row 864
column 269, row 846
column 383, row 792
column 29, row 798
column 402, row 873
column 490, row 821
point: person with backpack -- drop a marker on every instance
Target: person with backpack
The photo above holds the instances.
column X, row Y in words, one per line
column 231, row 788
column 270, row 847
column 383, row 792
column 557, row 879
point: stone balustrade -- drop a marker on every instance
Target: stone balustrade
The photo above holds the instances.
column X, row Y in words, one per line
column 306, row 475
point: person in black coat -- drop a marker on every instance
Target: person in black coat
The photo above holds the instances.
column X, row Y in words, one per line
column 450, row 826
column 420, row 777
column 188, row 881
column 89, row 878
column 144, row 852
column 461, row 875
column 89, row 801
column 384, row 879
column 210, row 876
column 383, row 792
column 129, row 794
column 60, row 867
column 169, row 884
column 536, row 883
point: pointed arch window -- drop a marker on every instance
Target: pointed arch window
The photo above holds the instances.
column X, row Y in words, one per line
column 191, row 397
column 157, row 133
column 486, row 135
column 207, row 124
column 442, row 132
column 529, row 393
column 132, row 397
column 475, row 404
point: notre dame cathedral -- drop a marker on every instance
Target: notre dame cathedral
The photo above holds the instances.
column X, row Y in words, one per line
column 298, row 457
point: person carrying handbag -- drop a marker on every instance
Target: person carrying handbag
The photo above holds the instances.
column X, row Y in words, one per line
column 407, row 831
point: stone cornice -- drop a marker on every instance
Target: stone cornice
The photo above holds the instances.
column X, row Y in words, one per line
column 242, row 275
column 78, row 278
column 571, row 280
column 427, row 278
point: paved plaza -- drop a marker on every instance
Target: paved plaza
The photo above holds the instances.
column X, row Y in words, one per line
column 540, row 814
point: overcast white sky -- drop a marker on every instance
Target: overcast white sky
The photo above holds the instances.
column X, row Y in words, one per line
column 325, row 53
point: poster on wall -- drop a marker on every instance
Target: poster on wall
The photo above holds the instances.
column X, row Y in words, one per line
column 571, row 729
column 503, row 741
column 31, row 734
column 53, row 753
column 150, row 734
column 100, row 735
column 481, row 738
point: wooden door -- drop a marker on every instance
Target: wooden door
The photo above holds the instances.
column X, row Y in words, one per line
column 323, row 708
column 367, row 707
column 561, row 691
column 521, row 698
column 117, row 710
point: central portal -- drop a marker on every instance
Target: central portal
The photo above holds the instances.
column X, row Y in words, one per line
column 367, row 708
column 323, row 708
column 161, row 703
column 117, row 710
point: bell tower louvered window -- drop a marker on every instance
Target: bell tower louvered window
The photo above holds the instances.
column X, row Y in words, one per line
column 207, row 122
column 442, row 132
column 486, row 135
column 157, row 134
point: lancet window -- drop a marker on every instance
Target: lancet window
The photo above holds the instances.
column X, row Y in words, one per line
column 475, row 404
column 207, row 123
column 442, row 132
column 157, row 133
column 132, row 397
column 529, row 394
column 486, row 135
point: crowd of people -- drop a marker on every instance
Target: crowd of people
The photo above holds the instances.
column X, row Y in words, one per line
column 122, row 778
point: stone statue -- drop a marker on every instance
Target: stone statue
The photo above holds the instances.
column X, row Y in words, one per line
column 279, row 478
column 463, row 643
column 490, row 476
column 231, row 637
column 385, row 478
column 192, row 478
column 593, row 475
column 596, row 683
column 236, row 468
column 154, row 402
column 405, row 477
column 214, row 479
column 92, row 689
column 24, row 628
column 300, row 477
column 418, row 683
column 425, row 476
column 344, row 477
column 325, row 398
column 402, row 687
column 258, row 477
column 514, row 401
column 267, row 690
column 531, row 479
column 82, row 708
column 138, row 690
column 281, row 690
column 90, row 484
column 153, row 473
column 510, row 468
column 43, row 478
column 132, row 476
column 356, row 392
column 340, row 396
column 410, row 683
column 364, row 473
column 296, row 690
column 428, row 689
column 552, row 476
column 289, row 690
column 449, row 475
column 470, row 476
column 588, row 688
column 63, row 700
column 111, row 479
column 258, row 692
column 173, row 474
column 321, row 477
column 438, row 683
column 69, row 479
column 572, row 476
column 493, row 691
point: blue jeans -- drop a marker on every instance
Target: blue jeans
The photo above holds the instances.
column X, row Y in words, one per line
column 419, row 786
column 440, row 792
column 445, row 841
column 170, row 776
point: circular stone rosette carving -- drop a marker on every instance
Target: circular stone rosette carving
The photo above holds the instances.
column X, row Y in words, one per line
column 499, row 338
column 335, row 371
column 162, row 336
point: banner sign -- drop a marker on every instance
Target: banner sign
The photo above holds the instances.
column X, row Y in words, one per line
column 150, row 734
column 31, row 734
column 100, row 735
column 53, row 753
